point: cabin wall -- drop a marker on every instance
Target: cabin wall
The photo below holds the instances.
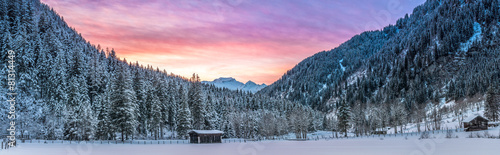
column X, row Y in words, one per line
column 476, row 124
column 206, row 138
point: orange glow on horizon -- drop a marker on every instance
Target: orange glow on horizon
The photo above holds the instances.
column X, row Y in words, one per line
column 246, row 40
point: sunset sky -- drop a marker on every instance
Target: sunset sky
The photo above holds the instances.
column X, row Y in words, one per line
column 256, row 40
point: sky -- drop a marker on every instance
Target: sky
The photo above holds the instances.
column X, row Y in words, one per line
column 256, row 40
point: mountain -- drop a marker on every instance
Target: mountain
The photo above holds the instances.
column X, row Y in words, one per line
column 231, row 84
column 445, row 50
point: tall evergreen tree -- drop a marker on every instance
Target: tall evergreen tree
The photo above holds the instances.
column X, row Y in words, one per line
column 172, row 106
column 140, row 87
column 196, row 103
column 343, row 115
column 183, row 120
column 492, row 104
column 123, row 111
column 155, row 114
column 105, row 125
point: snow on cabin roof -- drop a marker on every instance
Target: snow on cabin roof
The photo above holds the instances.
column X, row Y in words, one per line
column 207, row 131
column 470, row 118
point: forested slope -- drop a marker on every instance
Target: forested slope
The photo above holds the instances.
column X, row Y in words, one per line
column 445, row 50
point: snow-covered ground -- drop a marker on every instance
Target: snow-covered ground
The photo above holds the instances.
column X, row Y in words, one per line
column 449, row 120
column 341, row 66
column 319, row 143
column 374, row 146
column 412, row 144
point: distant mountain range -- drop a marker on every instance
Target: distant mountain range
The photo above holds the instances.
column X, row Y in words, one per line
column 232, row 84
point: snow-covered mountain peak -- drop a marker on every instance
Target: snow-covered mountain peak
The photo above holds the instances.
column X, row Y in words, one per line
column 250, row 83
column 232, row 84
column 224, row 79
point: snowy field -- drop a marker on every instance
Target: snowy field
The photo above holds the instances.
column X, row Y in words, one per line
column 399, row 145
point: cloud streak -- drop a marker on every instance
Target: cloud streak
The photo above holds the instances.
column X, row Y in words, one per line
column 254, row 40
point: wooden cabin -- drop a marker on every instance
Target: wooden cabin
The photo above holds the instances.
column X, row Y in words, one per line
column 205, row 136
column 475, row 123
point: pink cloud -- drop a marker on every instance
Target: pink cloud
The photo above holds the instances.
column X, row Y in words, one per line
column 254, row 40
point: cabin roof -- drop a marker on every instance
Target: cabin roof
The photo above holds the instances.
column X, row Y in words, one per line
column 206, row 131
column 470, row 118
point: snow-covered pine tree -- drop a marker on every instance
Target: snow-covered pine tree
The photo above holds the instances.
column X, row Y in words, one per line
column 78, row 101
column 162, row 89
column 196, row 103
column 172, row 106
column 57, row 93
column 70, row 126
column 94, row 77
column 211, row 115
column 227, row 128
column 83, row 120
column 103, row 123
column 43, row 66
column 183, row 120
column 140, row 87
column 492, row 104
column 123, row 111
column 343, row 116
column 155, row 113
column 105, row 128
column 87, row 121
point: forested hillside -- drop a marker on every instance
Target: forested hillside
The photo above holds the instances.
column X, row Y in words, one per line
column 446, row 50
column 71, row 89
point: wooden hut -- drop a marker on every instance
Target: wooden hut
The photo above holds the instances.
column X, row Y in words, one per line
column 205, row 136
column 475, row 123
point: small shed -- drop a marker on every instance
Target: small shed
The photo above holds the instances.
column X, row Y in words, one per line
column 205, row 136
column 475, row 123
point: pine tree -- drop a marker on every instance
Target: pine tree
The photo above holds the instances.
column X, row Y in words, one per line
column 140, row 88
column 103, row 120
column 227, row 127
column 155, row 114
column 184, row 120
column 87, row 123
column 123, row 111
column 81, row 125
column 43, row 67
column 95, row 74
column 57, row 93
column 343, row 116
column 196, row 103
column 172, row 106
column 105, row 127
column 70, row 127
column 164, row 106
column 492, row 105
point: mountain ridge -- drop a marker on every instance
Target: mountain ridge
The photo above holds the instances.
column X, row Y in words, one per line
column 233, row 84
column 424, row 57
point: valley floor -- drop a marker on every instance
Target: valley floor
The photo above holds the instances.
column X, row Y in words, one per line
column 398, row 145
